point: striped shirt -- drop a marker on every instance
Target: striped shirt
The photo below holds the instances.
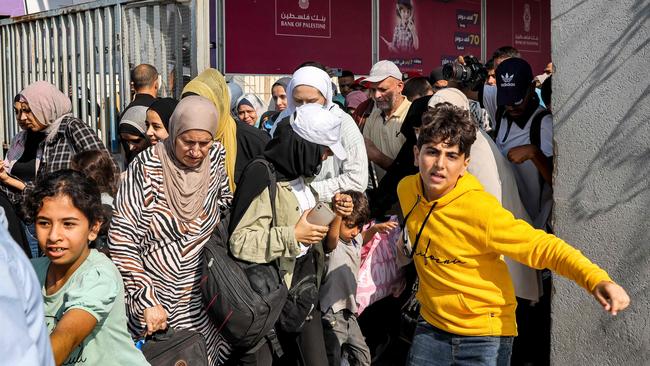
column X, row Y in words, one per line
column 160, row 256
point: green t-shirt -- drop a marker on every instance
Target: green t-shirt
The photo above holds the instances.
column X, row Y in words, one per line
column 96, row 287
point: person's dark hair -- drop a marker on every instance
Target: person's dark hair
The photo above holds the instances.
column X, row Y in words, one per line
column 361, row 213
column 315, row 64
column 546, row 90
column 405, row 3
column 346, row 73
column 143, row 76
column 82, row 191
column 17, row 98
column 490, row 64
column 416, row 86
column 505, row 51
column 449, row 124
column 98, row 166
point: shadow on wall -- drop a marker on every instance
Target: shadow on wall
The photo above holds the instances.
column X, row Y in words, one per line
column 619, row 173
column 627, row 145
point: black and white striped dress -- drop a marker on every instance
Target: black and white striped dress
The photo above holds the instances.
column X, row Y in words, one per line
column 158, row 255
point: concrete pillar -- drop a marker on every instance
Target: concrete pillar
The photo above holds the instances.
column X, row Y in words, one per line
column 601, row 103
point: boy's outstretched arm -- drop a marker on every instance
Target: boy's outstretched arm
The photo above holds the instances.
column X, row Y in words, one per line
column 611, row 296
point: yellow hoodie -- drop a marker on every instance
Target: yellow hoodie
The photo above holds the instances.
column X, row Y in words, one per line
column 465, row 287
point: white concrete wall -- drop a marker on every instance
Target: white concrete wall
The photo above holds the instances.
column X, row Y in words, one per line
column 601, row 102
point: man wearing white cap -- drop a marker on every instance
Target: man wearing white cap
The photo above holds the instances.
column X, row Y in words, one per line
column 382, row 128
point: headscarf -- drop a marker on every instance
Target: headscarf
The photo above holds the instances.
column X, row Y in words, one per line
column 253, row 101
column 311, row 76
column 291, row 155
column 164, row 107
column 185, row 187
column 314, row 77
column 134, row 121
column 354, row 98
column 283, row 82
column 414, row 119
column 234, row 92
column 211, row 84
column 48, row 104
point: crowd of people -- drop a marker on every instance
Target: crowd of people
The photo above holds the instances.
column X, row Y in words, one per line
column 453, row 176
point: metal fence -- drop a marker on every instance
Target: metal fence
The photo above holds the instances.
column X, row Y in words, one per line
column 87, row 51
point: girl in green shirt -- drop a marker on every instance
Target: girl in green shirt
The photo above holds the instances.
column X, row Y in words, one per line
column 82, row 289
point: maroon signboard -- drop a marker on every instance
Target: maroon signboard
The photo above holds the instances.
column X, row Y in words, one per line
column 275, row 36
column 420, row 35
column 523, row 24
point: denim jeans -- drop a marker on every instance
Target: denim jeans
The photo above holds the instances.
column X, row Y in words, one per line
column 432, row 346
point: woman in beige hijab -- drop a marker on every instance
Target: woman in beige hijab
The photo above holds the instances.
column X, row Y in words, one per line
column 167, row 206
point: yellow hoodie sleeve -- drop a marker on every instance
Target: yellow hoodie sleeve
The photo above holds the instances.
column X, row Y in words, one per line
column 538, row 249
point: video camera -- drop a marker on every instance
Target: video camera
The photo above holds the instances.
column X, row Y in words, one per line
column 470, row 75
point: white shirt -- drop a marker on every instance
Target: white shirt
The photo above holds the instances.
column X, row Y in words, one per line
column 342, row 175
column 306, row 200
column 526, row 173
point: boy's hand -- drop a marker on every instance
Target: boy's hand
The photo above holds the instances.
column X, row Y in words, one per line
column 611, row 296
column 385, row 227
column 342, row 204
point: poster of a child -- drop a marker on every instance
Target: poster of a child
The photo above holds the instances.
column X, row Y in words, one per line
column 405, row 36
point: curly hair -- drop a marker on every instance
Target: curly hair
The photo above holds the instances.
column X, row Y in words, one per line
column 361, row 213
column 82, row 191
column 97, row 165
column 449, row 124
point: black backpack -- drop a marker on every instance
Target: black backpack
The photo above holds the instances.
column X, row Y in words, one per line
column 535, row 126
column 244, row 299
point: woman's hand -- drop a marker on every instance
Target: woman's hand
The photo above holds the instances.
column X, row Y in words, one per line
column 4, row 175
column 155, row 318
column 307, row 233
column 342, row 204
column 611, row 296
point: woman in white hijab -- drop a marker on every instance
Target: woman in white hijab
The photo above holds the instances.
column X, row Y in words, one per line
column 311, row 85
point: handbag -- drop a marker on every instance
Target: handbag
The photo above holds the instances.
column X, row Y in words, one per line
column 176, row 347
column 379, row 275
column 303, row 294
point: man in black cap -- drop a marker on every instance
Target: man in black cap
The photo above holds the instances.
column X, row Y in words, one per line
column 524, row 134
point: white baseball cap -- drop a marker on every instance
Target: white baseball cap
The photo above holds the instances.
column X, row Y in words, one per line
column 452, row 96
column 318, row 125
column 382, row 70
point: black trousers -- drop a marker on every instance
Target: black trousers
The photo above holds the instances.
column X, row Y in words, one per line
column 306, row 348
column 532, row 347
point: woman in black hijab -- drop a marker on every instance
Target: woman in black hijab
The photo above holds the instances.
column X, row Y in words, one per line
column 293, row 241
column 158, row 116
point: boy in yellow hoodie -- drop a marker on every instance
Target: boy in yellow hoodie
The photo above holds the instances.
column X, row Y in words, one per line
column 459, row 233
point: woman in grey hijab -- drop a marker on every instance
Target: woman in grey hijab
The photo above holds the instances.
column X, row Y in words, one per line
column 133, row 132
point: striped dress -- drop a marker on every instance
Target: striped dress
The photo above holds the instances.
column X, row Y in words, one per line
column 160, row 256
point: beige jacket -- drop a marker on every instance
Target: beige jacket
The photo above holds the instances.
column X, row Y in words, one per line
column 254, row 240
